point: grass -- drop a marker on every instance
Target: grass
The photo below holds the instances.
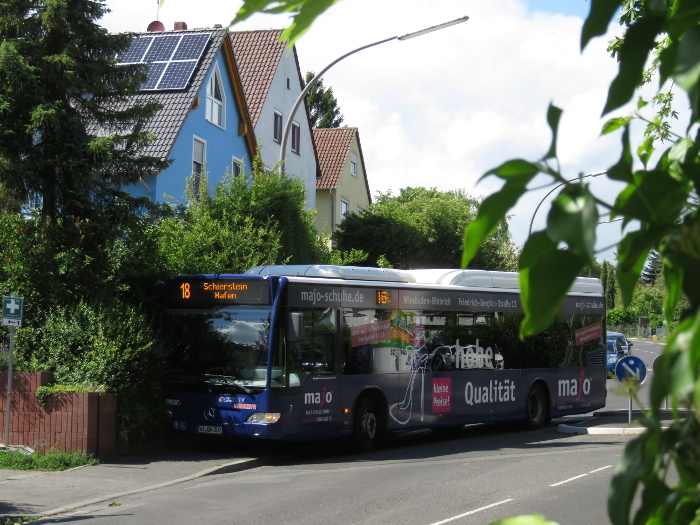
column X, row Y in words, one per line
column 18, row 520
column 50, row 461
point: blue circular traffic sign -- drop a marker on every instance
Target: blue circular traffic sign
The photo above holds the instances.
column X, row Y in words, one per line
column 631, row 369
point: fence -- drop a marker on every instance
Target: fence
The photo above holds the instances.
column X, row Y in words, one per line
column 638, row 332
column 69, row 422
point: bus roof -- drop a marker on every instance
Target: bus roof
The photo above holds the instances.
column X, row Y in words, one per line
column 449, row 277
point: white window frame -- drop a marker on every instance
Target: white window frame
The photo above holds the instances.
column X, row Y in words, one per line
column 353, row 164
column 199, row 159
column 277, row 127
column 216, row 109
column 344, row 208
column 236, row 166
column 296, row 137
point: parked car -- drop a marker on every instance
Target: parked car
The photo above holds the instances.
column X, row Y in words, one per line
column 625, row 343
column 614, row 354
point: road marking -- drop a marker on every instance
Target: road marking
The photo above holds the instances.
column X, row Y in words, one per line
column 580, row 476
column 567, row 480
column 471, row 512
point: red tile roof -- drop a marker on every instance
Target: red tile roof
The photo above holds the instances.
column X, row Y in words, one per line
column 332, row 148
column 257, row 55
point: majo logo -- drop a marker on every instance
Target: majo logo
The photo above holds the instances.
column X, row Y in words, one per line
column 575, row 387
column 320, row 399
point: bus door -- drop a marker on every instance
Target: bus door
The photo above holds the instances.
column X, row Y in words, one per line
column 312, row 370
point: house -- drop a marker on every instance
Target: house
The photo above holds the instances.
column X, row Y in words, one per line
column 343, row 185
column 272, row 82
column 203, row 124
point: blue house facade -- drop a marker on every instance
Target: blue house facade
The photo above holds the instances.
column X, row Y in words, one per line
column 203, row 126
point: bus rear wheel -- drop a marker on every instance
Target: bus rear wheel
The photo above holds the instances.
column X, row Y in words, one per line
column 365, row 427
column 537, row 409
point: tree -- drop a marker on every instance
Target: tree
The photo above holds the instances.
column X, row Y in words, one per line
column 323, row 106
column 422, row 228
column 653, row 268
column 611, row 287
column 68, row 131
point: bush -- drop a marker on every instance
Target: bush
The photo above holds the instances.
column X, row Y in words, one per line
column 619, row 316
column 102, row 344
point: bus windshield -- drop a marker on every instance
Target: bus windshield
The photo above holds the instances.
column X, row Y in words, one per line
column 224, row 346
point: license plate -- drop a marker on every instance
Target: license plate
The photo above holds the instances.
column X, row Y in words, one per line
column 204, row 429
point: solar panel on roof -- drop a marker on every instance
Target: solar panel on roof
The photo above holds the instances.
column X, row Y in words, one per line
column 191, row 47
column 172, row 58
column 155, row 71
column 177, row 74
column 136, row 51
column 162, row 48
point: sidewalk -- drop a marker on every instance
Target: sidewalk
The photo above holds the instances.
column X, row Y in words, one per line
column 27, row 493
column 609, row 422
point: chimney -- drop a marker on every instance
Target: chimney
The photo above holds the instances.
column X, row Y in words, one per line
column 155, row 26
column 180, row 26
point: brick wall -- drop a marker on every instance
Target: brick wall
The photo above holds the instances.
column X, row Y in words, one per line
column 70, row 422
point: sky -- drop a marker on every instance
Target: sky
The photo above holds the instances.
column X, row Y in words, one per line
column 442, row 109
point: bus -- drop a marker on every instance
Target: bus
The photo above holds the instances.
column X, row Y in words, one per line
column 303, row 352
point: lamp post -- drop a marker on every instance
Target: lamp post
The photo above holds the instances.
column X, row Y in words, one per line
column 555, row 188
column 288, row 125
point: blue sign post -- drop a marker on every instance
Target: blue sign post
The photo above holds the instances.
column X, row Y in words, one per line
column 631, row 371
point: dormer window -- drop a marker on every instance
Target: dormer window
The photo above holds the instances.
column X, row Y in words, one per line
column 216, row 102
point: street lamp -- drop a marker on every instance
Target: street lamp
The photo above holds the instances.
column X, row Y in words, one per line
column 555, row 188
column 301, row 96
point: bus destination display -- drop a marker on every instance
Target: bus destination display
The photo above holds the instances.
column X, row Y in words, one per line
column 184, row 293
column 383, row 297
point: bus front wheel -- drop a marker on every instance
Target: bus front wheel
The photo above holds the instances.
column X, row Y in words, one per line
column 365, row 428
column 537, row 409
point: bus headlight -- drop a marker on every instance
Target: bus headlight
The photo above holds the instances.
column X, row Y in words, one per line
column 264, row 418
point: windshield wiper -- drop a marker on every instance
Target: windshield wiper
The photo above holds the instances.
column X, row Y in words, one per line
column 226, row 381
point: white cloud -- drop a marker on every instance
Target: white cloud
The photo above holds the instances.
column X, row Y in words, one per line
column 441, row 109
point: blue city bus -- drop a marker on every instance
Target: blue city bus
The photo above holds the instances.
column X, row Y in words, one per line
column 322, row 351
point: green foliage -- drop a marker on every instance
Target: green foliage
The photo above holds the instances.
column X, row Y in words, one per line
column 663, row 199
column 648, row 301
column 245, row 223
column 653, row 269
column 101, row 343
column 609, row 285
column 43, row 392
column 323, row 106
column 422, row 228
column 60, row 91
column 304, row 13
column 618, row 316
column 108, row 254
column 51, row 461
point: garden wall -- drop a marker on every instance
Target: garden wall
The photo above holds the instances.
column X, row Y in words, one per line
column 69, row 422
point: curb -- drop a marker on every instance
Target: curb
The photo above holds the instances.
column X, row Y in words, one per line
column 621, row 431
column 227, row 468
